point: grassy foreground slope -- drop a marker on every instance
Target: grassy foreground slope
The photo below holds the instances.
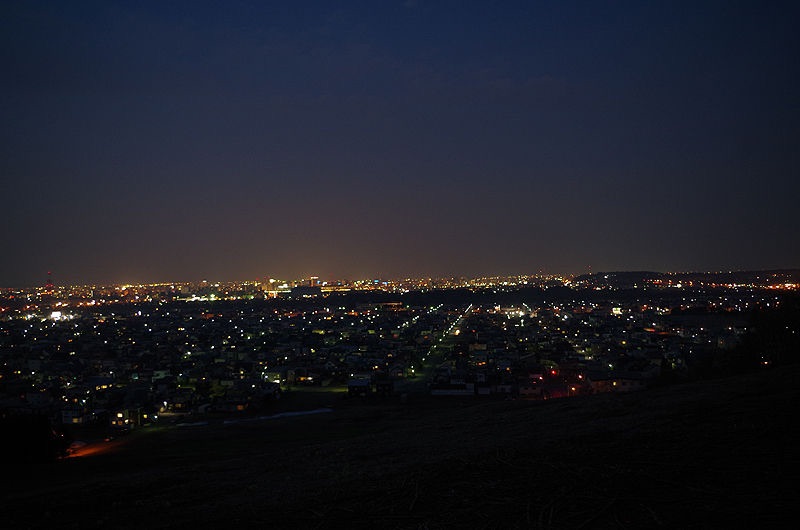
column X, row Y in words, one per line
column 717, row 453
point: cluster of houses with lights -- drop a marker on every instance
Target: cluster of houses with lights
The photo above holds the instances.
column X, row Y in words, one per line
column 124, row 365
column 572, row 349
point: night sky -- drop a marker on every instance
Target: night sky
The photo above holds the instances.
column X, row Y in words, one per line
column 177, row 141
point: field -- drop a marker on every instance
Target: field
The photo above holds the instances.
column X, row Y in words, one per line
column 715, row 453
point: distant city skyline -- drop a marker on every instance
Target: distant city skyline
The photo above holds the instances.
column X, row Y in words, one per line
column 773, row 278
column 154, row 141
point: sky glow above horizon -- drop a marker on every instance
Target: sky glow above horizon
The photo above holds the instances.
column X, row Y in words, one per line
column 153, row 141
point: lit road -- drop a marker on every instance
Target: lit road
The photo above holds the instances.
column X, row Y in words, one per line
column 95, row 448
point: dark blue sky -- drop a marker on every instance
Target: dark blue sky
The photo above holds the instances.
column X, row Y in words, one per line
column 172, row 141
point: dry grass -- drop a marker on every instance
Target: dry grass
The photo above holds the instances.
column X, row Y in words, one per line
column 716, row 453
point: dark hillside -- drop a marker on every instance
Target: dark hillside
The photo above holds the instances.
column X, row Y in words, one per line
column 717, row 453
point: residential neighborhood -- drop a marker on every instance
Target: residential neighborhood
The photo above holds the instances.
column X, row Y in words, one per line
column 147, row 357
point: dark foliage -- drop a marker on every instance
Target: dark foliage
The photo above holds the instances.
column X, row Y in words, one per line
column 773, row 340
column 30, row 440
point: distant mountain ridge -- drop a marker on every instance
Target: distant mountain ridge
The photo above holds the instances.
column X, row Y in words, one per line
column 641, row 278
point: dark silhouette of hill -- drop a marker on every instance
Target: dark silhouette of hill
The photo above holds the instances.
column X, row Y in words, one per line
column 626, row 279
column 714, row 453
column 626, row 276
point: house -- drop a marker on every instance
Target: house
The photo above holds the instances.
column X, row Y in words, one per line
column 75, row 414
column 530, row 389
column 359, row 386
column 384, row 387
column 622, row 381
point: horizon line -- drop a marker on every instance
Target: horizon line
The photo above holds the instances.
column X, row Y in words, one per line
column 542, row 275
